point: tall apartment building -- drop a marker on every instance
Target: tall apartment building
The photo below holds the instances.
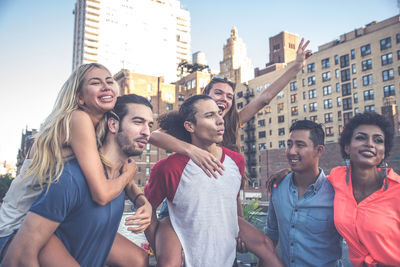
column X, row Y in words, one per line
column 358, row 72
column 148, row 36
column 235, row 65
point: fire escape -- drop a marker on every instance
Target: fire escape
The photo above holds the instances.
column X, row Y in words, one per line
column 250, row 140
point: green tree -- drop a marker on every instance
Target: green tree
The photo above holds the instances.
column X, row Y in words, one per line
column 5, row 181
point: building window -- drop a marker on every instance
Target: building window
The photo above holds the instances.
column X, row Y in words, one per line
column 337, row 73
column 280, row 107
column 365, row 50
column 336, row 57
column 327, row 90
column 149, row 98
column 398, row 38
column 169, row 106
column 313, row 107
column 304, row 95
column 293, row 98
column 389, row 90
column 366, row 64
column 398, row 54
column 262, row 146
column 303, row 81
column 347, row 103
column 325, row 63
column 368, row 95
column 311, row 67
column 327, row 103
column 367, row 79
column 181, row 97
column 354, row 83
column 312, row 93
column 270, row 132
column 345, row 75
column 239, row 94
column 328, row 117
column 347, row 116
column 305, row 108
column 337, row 87
column 387, row 59
column 281, row 131
column 339, row 115
column 386, row 43
column 147, row 158
column 353, row 68
column 242, row 137
column 293, row 86
column 314, row 118
column 326, row 76
column 338, row 101
column 239, row 105
column 369, row 108
column 147, row 171
column 311, row 80
column 148, row 146
column 387, row 75
column 355, row 98
column 346, row 89
column 281, row 144
column 344, row 61
column 295, row 111
column 281, row 119
column 353, row 53
column 261, row 134
column 261, row 123
column 329, row 131
column 356, row 111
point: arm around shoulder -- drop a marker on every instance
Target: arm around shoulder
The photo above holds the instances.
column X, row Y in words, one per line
column 83, row 144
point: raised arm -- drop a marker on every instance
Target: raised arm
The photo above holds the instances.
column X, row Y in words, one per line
column 205, row 160
column 83, row 142
column 268, row 94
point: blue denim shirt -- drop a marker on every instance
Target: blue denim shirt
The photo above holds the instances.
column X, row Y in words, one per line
column 304, row 227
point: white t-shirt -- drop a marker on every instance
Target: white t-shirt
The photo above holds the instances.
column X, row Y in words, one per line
column 203, row 210
column 18, row 200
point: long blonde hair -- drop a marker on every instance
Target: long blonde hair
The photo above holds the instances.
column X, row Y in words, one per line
column 47, row 162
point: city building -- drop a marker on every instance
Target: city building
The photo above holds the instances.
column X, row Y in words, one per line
column 236, row 66
column 148, row 36
column 26, row 143
column 282, row 50
column 357, row 72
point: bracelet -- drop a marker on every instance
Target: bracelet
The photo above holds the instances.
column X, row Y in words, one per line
column 137, row 196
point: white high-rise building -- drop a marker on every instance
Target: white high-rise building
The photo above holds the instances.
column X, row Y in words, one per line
column 144, row 36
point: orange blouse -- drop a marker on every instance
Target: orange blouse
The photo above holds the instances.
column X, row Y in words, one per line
column 371, row 228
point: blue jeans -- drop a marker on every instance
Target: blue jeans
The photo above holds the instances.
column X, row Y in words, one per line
column 4, row 241
column 164, row 210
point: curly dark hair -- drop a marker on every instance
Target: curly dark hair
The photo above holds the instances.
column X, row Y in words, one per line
column 367, row 118
column 173, row 121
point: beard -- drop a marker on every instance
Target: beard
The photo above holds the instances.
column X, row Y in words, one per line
column 128, row 146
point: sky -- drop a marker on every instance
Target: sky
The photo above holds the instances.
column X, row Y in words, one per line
column 36, row 40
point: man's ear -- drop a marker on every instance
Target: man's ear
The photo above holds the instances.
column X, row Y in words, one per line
column 113, row 125
column 320, row 150
column 189, row 126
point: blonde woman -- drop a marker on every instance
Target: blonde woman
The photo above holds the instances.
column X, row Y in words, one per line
column 72, row 128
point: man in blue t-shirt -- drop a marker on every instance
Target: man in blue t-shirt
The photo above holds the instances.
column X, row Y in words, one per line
column 300, row 212
column 86, row 229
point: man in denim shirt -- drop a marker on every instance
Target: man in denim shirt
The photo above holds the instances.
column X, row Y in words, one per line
column 300, row 211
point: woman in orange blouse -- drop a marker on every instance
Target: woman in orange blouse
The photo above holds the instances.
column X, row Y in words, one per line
column 367, row 194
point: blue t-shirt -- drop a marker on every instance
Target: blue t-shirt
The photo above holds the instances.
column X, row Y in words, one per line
column 304, row 227
column 87, row 229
